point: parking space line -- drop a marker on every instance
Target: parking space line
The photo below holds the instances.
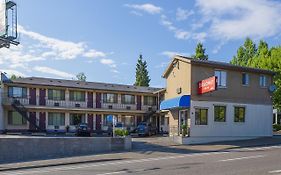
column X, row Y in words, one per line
column 242, row 158
column 274, row 171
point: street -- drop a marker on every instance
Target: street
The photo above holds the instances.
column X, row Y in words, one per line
column 254, row 160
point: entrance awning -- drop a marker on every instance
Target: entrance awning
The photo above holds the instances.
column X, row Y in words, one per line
column 178, row 102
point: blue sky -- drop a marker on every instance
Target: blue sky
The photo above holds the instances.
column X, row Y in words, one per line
column 103, row 38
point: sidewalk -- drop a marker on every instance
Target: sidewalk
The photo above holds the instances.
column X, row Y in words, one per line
column 146, row 149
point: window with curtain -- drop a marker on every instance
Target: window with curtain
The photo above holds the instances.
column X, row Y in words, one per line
column 110, row 98
column 149, row 100
column 263, row 81
column 222, row 78
column 201, row 116
column 56, row 119
column 245, row 79
column 219, row 113
column 15, row 118
column 54, row 94
column 20, row 92
column 77, row 96
column 127, row 99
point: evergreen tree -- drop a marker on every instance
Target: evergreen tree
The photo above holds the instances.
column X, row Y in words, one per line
column 263, row 58
column 142, row 77
column 244, row 53
column 200, row 52
column 81, row 76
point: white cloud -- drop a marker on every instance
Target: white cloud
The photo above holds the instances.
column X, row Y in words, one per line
column 149, row 8
column 179, row 33
column 200, row 37
column 61, row 49
column 12, row 72
column 171, row 54
column 109, row 62
column 136, row 13
column 94, row 54
column 52, row 71
column 238, row 19
column 183, row 14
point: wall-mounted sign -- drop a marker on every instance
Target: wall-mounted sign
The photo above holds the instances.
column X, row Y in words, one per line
column 207, row 85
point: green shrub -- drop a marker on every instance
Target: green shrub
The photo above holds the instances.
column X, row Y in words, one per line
column 276, row 127
column 121, row 132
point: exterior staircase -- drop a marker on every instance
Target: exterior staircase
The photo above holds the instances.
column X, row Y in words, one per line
column 24, row 113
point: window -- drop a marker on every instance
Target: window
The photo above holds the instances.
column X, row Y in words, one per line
column 201, row 116
column 149, row 100
column 14, row 118
column 127, row 99
column 54, row 94
column 219, row 113
column 75, row 119
column 20, row 92
column 56, row 119
column 110, row 98
column 263, row 81
column 77, row 96
column 221, row 75
column 239, row 114
column 245, row 79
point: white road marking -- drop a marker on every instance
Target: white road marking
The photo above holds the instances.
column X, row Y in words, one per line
column 274, row 171
column 241, row 158
column 52, row 169
column 115, row 172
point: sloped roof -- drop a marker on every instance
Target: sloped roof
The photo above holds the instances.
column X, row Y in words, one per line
column 215, row 64
column 83, row 85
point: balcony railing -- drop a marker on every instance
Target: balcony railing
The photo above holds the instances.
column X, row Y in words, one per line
column 76, row 104
column 66, row 104
column 118, row 106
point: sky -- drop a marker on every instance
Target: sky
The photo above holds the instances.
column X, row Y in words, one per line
column 104, row 38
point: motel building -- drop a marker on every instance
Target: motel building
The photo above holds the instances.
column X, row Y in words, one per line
column 204, row 101
column 208, row 101
column 53, row 105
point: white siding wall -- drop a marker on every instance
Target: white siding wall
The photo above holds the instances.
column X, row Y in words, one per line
column 258, row 121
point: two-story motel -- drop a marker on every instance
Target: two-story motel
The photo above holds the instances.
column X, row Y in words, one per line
column 54, row 104
column 235, row 104
column 214, row 100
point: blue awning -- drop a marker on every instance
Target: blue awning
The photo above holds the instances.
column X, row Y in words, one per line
column 178, row 102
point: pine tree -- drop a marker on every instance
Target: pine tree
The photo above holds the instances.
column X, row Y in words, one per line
column 200, row 52
column 244, row 53
column 142, row 77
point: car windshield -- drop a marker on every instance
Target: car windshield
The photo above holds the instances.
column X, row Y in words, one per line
column 119, row 125
column 142, row 124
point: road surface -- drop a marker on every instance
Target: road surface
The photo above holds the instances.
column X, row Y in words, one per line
column 256, row 160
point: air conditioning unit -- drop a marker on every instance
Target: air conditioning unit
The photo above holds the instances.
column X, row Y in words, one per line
column 56, row 104
column 77, row 105
column 110, row 107
column 128, row 107
column 56, row 127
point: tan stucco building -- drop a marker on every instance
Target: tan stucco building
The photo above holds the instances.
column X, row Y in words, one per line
column 240, row 107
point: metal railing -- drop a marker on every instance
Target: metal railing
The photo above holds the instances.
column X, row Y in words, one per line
column 74, row 104
column 118, row 106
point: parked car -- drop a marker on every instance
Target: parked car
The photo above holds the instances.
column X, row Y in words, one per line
column 146, row 129
column 83, row 130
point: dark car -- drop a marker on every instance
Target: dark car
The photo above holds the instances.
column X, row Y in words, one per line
column 83, row 130
column 146, row 129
